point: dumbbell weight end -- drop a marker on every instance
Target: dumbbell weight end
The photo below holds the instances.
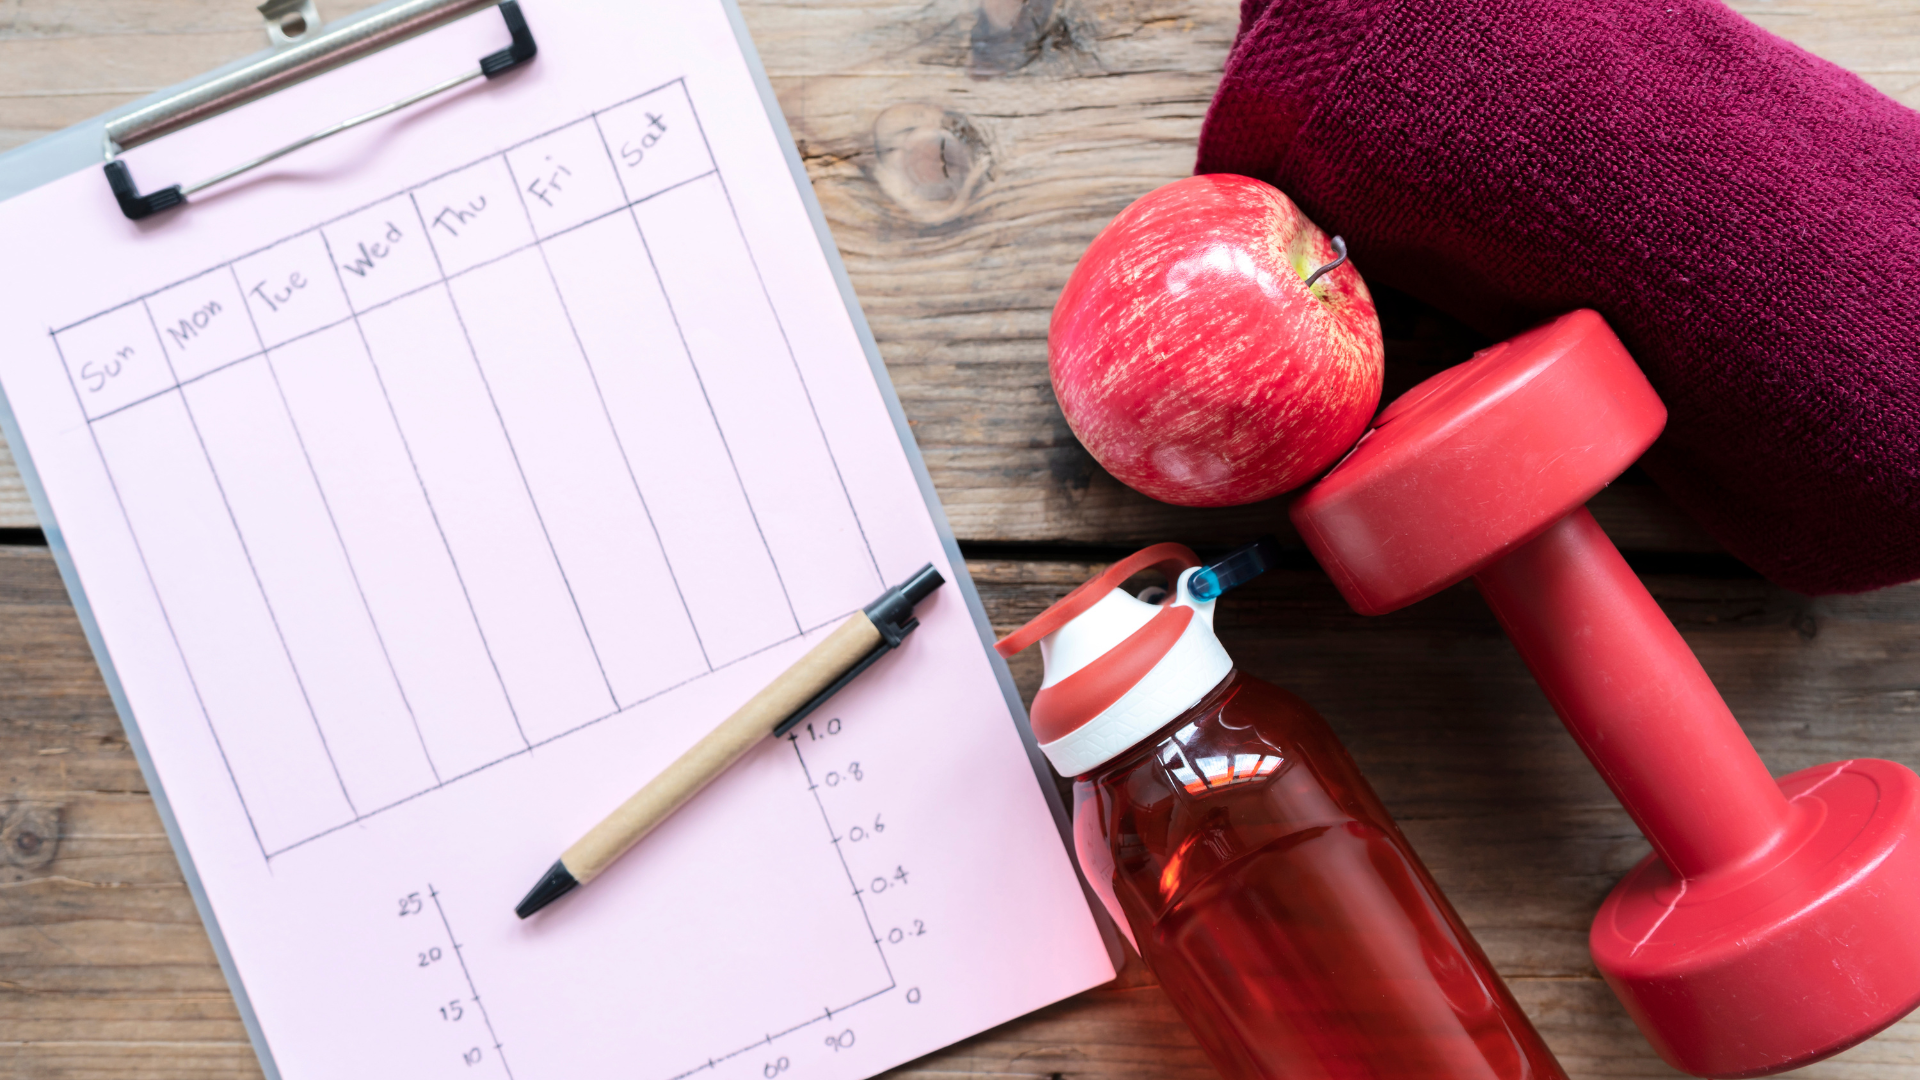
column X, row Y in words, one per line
column 1774, row 924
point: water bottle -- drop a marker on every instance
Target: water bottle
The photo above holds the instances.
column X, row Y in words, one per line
column 1237, row 846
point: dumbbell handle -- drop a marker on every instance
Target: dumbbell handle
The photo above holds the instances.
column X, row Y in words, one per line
column 1636, row 699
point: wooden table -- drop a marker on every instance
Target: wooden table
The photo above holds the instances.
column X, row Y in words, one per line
column 966, row 151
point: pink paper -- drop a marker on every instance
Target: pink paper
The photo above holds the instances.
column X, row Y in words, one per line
column 436, row 487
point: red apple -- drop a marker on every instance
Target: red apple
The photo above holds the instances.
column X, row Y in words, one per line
column 1193, row 360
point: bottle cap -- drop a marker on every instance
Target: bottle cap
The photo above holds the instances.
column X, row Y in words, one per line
column 1118, row 668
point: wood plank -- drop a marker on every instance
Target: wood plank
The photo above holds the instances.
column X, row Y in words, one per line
column 1877, row 40
column 106, row 972
column 966, row 151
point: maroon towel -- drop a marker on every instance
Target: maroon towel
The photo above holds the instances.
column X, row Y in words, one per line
column 1746, row 216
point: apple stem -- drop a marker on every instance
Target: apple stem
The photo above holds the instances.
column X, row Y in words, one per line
column 1340, row 256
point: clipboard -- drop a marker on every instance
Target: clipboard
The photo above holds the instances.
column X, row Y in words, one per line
column 98, row 143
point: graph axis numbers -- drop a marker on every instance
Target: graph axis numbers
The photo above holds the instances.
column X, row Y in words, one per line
column 845, row 1038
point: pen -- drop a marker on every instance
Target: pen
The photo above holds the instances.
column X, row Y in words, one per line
column 865, row 637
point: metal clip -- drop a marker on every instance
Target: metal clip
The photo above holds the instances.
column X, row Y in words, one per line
column 311, row 56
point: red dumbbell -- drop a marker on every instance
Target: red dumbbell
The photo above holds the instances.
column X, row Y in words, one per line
column 1776, row 922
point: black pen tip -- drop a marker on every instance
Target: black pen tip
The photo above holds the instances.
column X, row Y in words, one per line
column 558, row 883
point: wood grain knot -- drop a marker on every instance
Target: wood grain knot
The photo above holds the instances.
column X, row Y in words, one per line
column 29, row 836
column 1010, row 34
column 929, row 161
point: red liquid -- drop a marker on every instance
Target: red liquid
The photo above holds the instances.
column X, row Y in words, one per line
column 1282, row 910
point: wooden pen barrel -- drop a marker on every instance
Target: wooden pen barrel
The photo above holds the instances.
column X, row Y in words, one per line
column 721, row 747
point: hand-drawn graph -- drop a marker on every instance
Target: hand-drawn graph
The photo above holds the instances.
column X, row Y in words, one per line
column 464, row 470
column 863, row 884
column 463, row 1028
column 466, row 1027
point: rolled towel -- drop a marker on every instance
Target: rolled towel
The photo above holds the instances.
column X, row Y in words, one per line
column 1746, row 216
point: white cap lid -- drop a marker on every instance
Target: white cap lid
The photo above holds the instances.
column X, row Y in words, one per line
column 1121, row 670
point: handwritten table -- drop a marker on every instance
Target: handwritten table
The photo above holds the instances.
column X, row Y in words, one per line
column 965, row 152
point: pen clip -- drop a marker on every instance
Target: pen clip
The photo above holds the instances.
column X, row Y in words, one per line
column 892, row 615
